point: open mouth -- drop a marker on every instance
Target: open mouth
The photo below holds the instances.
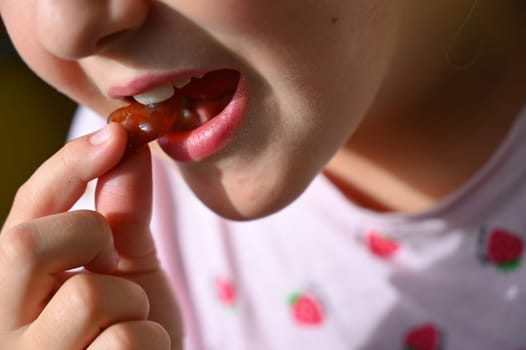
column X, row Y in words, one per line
column 199, row 99
column 192, row 117
column 178, row 106
column 204, row 98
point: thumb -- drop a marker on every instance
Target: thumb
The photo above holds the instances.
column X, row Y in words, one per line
column 124, row 197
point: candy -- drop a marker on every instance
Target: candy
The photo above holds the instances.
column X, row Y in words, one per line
column 145, row 123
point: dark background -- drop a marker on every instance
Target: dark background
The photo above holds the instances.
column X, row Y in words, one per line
column 34, row 120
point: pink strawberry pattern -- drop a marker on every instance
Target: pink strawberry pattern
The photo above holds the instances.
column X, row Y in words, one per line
column 306, row 309
column 504, row 249
column 381, row 245
column 226, row 291
column 423, row 337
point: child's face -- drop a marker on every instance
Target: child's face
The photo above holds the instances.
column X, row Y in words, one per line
column 311, row 69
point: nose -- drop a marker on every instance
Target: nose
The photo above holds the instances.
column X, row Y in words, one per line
column 73, row 29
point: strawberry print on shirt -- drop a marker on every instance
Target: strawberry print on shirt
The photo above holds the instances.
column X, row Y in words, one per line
column 423, row 337
column 306, row 309
column 226, row 291
column 381, row 245
column 502, row 248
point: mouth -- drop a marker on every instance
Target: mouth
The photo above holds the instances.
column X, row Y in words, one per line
column 200, row 98
column 192, row 117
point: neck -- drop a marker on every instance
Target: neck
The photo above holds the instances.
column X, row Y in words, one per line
column 432, row 136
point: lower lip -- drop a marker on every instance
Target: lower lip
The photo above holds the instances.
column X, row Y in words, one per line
column 211, row 137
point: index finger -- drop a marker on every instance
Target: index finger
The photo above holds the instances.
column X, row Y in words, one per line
column 60, row 181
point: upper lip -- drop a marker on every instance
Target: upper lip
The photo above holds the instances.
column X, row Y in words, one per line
column 146, row 82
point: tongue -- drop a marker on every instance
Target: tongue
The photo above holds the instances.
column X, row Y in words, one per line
column 210, row 108
column 205, row 98
column 196, row 113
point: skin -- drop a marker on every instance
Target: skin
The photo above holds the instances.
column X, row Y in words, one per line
column 382, row 77
column 83, row 57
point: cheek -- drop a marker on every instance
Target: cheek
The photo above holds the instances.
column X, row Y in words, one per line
column 226, row 15
column 66, row 77
column 248, row 24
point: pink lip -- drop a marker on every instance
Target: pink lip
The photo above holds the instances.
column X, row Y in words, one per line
column 211, row 137
column 144, row 83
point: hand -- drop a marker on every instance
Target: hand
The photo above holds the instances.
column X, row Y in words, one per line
column 122, row 300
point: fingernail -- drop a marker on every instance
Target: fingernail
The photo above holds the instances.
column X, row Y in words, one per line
column 100, row 136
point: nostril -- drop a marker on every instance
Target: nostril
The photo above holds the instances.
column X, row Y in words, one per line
column 75, row 29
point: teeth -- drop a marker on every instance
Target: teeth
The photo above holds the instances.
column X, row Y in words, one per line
column 179, row 83
column 155, row 95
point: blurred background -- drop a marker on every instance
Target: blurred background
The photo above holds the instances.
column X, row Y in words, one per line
column 34, row 122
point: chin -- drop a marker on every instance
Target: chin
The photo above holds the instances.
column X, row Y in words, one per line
column 245, row 200
column 236, row 212
column 246, row 211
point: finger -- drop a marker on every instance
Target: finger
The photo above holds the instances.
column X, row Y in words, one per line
column 32, row 253
column 134, row 335
column 58, row 183
column 124, row 197
column 83, row 306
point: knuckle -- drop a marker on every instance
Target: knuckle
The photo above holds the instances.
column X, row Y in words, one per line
column 139, row 297
column 19, row 245
column 97, row 217
column 89, row 294
column 68, row 158
column 84, row 295
column 161, row 334
column 122, row 337
column 95, row 221
column 67, row 155
column 128, row 336
column 22, row 192
column 24, row 195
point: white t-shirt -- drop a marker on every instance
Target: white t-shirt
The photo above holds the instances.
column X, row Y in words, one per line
column 324, row 273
